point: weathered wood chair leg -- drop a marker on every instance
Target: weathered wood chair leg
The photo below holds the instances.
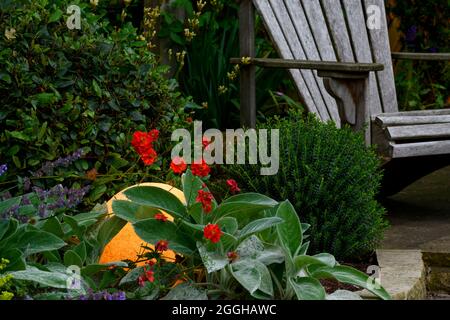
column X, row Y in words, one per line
column 351, row 94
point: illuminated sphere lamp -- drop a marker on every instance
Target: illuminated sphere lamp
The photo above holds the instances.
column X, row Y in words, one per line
column 126, row 245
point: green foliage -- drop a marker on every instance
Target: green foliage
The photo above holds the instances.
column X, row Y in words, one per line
column 253, row 256
column 4, row 281
column 424, row 27
column 40, row 254
column 62, row 90
column 330, row 178
column 206, row 74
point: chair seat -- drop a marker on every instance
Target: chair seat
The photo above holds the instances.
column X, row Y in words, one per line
column 414, row 133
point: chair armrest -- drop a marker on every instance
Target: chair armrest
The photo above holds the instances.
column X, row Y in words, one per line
column 331, row 66
column 421, row 56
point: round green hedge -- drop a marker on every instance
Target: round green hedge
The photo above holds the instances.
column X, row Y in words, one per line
column 331, row 178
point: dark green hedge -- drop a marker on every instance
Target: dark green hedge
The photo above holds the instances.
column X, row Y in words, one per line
column 62, row 90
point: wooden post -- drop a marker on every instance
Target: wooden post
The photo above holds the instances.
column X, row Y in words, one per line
column 247, row 72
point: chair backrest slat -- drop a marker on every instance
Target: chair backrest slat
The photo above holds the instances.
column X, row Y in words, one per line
column 310, row 51
column 331, row 30
column 381, row 53
column 276, row 33
column 355, row 17
column 282, row 30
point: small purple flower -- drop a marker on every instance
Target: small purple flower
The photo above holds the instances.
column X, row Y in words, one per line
column 120, row 296
column 48, row 166
column 3, row 169
column 103, row 295
column 411, row 35
column 433, row 49
column 26, row 201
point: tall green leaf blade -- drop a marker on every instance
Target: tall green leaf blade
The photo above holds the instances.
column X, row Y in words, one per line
column 352, row 276
column 290, row 231
column 157, row 198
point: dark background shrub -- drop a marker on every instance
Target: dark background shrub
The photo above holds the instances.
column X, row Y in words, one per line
column 331, row 178
column 423, row 27
column 62, row 90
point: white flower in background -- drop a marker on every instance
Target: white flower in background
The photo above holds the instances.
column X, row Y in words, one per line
column 94, row 2
column 10, row 33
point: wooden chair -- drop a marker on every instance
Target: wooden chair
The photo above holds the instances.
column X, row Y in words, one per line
column 339, row 57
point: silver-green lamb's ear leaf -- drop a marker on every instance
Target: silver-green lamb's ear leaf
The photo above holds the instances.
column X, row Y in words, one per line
column 243, row 205
column 191, row 185
column 158, row 198
column 290, row 231
column 152, row 230
column 45, row 278
column 228, row 224
column 186, row 291
column 343, row 295
column 322, row 259
column 248, row 276
column 253, row 248
column 307, row 288
column 326, row 258
column 352, row 276
column 131, row 211
column 211, row 259
column 303, row 249
column 259, row 225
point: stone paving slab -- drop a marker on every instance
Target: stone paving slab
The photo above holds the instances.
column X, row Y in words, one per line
column 419, row 237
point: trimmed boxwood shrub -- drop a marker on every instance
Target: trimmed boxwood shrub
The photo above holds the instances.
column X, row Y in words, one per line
column 331, row 178
column 62, row 90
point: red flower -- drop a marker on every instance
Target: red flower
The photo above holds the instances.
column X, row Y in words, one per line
column 143, row 144
column 200, row 169
column 178, row 165
column 233, row 186
column 205, row 198
column 232, row 255
column 205, row 142
column 153, row 135
column 161, row 245
column 150, row 275
column 150, row 263
column 141, row 280
column 161, row 217
column 212, row 232
column 149, row 157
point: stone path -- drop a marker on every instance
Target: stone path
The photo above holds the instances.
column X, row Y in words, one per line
column 420, row 215
column 420, row 220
